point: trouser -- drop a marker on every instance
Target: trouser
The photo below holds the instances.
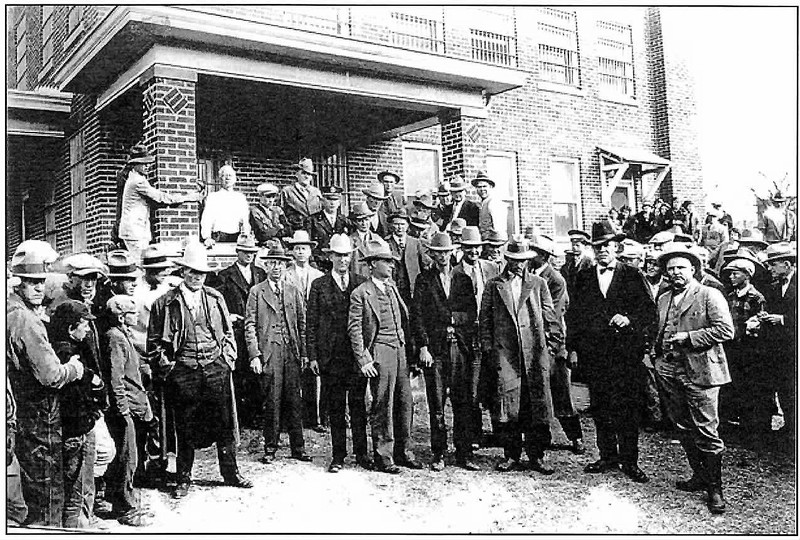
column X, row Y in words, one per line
column 652, row 399
column 119, row 477
column 313, row 415
column 105, row 448
column 787, row 395
column 486, row 387
column 451, row 374
column 561, row 392
column 16, row 509
column 280, row 387
column 536, row 433
column 146, row 432
column 345, row 390
column 691, row 407
column 616, row 413
column 79, row 460
column 390, row 416
column 39, row 453
column 246, row 385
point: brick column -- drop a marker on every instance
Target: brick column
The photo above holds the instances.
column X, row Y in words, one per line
column 463, row 145
column 169, row 131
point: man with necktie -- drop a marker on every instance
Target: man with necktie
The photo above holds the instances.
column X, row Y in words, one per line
column 301, row 200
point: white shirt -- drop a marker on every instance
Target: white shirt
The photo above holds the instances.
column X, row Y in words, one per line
column 604, row 278
column 456, row 209
column 785, row 286
column 475, row 274
column 380, row 284
column 246, row 272
column 516, row 290
column 374, row 222
column 225, row 211
column 342, row 280
column 654, row 287
column 445, row 279
column 192, row 298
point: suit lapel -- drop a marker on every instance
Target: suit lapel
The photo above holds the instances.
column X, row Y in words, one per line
column 688, row 299
column 239, row 280
column 372, row 300
column 525, row 291
column 504, row 288
column 269, row 297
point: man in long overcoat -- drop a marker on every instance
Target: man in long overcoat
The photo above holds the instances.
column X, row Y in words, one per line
column 607, row 320
column 519, row 327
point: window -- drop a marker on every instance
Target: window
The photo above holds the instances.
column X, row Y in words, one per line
column 502, row 168
column 558, row 46
column 423, row 33
column 22, row 52
column 47, row 37
column 493, row 36
column 422, row 167
column 615, row 51
column 50, row 217
column 77, row 173
column 565, row 188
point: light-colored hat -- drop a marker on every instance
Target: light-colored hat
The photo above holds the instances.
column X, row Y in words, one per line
column 543, row 243
column 121, row 265
column 246, row 242
column 341, row 244
column 83, row 264
column 471, row 236
column 678, row 249
column 306, row 165
column 379, row 249
column 299, row 238
column 780, row 251
column 457, row 183
column 32, row 259
column 741, row 264
column 155, row 257
column 662, row 238
column 518, row 249
column 121, row 303
column 401, row 213
column 441, row 242
column 376, row 191
column 495, row 238
column 457, row 226
column 425, row 201
column 195, row 257
column 632, row 249
column 360, row 210
column 752, row 237
column 267, row 189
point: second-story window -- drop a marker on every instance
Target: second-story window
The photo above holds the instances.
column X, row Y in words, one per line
column 493, row 36
column 22, row 52
column 558, row 46
column 615, row 56
column 422, row 30
column 47, row 36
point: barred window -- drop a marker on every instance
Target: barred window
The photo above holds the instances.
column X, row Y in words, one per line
column 417, row 32
column 77, row 173
column 559, row 59
column 615, row 56
column 493, row 37
column 22, row 52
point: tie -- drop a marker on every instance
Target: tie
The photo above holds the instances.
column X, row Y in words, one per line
column 606, row 269
column 474, row 277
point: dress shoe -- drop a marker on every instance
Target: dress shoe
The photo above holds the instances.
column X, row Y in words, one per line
column 266, row 459
column 577, row 447
column 388, row 469
column 238, row 481
column 437, row 464
column 508, row 465
column 365, row 462
column 635, row 473
column 301, row 456
column 409, row 464
column 181, row 490
column 335, row 466
column 539, row 466
column 467, row 464
column 694, row 483
column 601, row 465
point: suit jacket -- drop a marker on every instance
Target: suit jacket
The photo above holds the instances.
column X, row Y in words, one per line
column 262, row 312
column 517, row 340
column 268, row 222
column 557, row 286
column 383, row 222
column 414, row 257
column 363, row 318
column 235, row 289
column 781, row 340
column 326, row 336
column 571, row 268
column 293, row 279
column 299, row 206
column 469, row 212
column 704, row 314
column 433, row 311
column 321, row 230
column 357, row 264
column 488, row 270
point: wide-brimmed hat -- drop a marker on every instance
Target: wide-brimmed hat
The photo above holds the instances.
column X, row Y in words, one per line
column 426, row 201
column 444, row 189
column 471, row 236
column 195, row 257
column 420, row 223
column 83, row 264
column 482, row 177
column 752, row 237
column 32, row 259
column 662, row 237
column 603, row 233
column 577, row 234
column 306, row 165
column 631, row 249
column 331, row 191
column 140, row 154
column 495, row 238
column 743, row 259
column 519, row 249
column 121, row 264
column 457, row 183
column 441, row 242
column 341, row 244
column 387, row 176
column 778, row 197
column 267, row 189
column 299, row 238
column 361, row 210
column 155, row 257
column 543, row 244
column 780, row 251
column 246, row 242
column 677, row 249
column 376, row 191
column 457, row 226
column 379, row 249
column 275, row 251
column 401, row 213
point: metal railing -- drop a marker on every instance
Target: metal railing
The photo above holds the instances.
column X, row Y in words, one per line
column 493, row 48
column 559, row 65
column 418, row 33
column 616, row 76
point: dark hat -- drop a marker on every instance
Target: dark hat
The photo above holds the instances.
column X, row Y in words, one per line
column 778, row 196
column 444, row 189
column 140, row 154
column 276, row 252
column 457, row 183
column 580, row 235
column 121, row 264
column 155, row 257
column 518, row 249
column 331, row 191
column 471, row 236
column 441, row 242
column 495, row 238
column 401, row 213
column 483, row 177
column 602, row 233
column 70, row 312
column 387, row 176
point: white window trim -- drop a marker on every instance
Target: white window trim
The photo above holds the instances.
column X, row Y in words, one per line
column 579, row 210
column 514, row 184
column 421, row 146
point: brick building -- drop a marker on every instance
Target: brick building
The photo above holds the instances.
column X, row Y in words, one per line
column 571, row 111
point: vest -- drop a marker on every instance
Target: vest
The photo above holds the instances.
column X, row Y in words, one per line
column 200, row 346
column 670, row 329
column 390, row 327
column 278, row 332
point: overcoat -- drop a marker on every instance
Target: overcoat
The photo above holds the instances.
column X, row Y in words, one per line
column 299, row 205
column 235, row 289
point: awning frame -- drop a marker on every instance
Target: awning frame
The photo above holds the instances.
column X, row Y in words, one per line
column 614, row 164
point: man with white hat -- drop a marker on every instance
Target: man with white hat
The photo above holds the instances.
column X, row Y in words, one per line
column 330, row 354
column 300, row 200
column 191, row 345
column 376, row 196
column 36, row 374
column 632, row 253
column 267, row 219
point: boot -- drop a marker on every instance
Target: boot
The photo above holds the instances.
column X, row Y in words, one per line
column 698, row 481
column 713, row 464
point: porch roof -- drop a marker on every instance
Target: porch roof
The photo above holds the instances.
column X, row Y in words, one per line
column 37, row 113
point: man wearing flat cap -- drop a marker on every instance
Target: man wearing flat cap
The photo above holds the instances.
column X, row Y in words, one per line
column 191, row 345
column 327, row 222
column 301, row 200
column 580, row 256
column 267, row 219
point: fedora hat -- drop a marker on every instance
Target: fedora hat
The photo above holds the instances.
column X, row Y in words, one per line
column 267, row 189
column 361, row 210
column 482, row 177
column 632, row 249
column 577, row 234
column 32, row 259
column 444, row 189
column 441, row 242
column 495, row 238
column 379, row 249
column 603, row 233
column 425, row 200
column 457, row 183
column 518, row 249
column 457, row 226
column 341, row 244
column 778, row 196
column 677, row 249
column 543, row 244
column 752, row 237
column 387, row 176
column 420, row 223
column 246, row 242
column 331, row 191
column 195, row 256
column 83, row 264
column 299, row 238
column 401, row 213
column 471, row 236
column 780, row 251
column 376, row 191
column 121, row 264
column 305, row 165
column 662, row 237
column 155, row 257
column 275, row 251
column 140, row 154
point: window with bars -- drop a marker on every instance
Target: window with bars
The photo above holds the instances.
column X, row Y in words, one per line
column 493, row 36
column 22, row 53
column 74, row 19
column 47, row 36
column 559, row 60
column 416, row 32
column 77, row 173
column 615, row 57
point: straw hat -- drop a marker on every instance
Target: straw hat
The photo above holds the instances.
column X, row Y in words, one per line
column 195, row 257
column 300, row 238
column 518, row 249
column 341, row 244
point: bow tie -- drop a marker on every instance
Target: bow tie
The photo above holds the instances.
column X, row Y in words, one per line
column 606, row 269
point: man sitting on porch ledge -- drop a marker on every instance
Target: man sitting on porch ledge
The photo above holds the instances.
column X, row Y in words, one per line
column 226, row 213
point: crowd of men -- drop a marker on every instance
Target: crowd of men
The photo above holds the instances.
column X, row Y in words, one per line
column 150, row 354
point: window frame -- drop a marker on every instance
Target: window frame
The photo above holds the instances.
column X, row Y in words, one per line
column 408, row 145
column 578, row 202
column 513, row 183
column 77, row 174
column 542, row 42
column 605, row 89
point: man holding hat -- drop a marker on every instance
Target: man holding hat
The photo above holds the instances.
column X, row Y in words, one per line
column 191, row 344
column 300, row 200
column 330, row 354
column 378, row 329
column 411, row 255
column 235, row 283
column 694, row 321
column 443, row 318
column 275, row 332
column 267, row 219
column 361, row 237
column 36, row 374
column 608, row 320
column 376, row 196
column 461, row 207
column 138, row 199
column 396, row 199
column 493, row 213
column 327, row 222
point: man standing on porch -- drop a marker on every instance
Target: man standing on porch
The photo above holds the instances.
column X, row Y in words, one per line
column 300, row 200
column 493, row 214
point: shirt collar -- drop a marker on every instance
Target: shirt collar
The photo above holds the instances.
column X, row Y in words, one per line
column 380, row 284
column 744, row 290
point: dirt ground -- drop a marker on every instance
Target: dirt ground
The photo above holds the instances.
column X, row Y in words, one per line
column 294, row 497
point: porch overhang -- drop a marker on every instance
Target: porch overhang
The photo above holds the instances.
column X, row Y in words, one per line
column 37, row 113
column 615, row 162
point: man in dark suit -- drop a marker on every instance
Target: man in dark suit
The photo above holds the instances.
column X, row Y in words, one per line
column 461, row 207
column 330, row 354
column 444, row 312
column 560, row 370
column 412, row 258
column 608, row 319
column 235, row 283
column 576, row 259
column 326, row 223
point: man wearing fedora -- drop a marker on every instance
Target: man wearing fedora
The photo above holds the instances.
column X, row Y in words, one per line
column 235, row 283
column 327, row 222
column 411, row 256
column 442, row 205
column 461, row 207
column 493, row 213
column 422, row 225
column 455, row 229
column 267, row 219
column 778, row 223
column 139, row 198
column 693, row 323
column 377, row 326
column 608, row 321
column 123, row 276
column 226, row 213
column 443, row 318
column 519, row 329
column 375, row 197
column 493, row 248
column 275, row 332
column 330, row 354
column 360, row 215
column 560, row 369
column 396, row 199
column 301, row 200
column 191, row 344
